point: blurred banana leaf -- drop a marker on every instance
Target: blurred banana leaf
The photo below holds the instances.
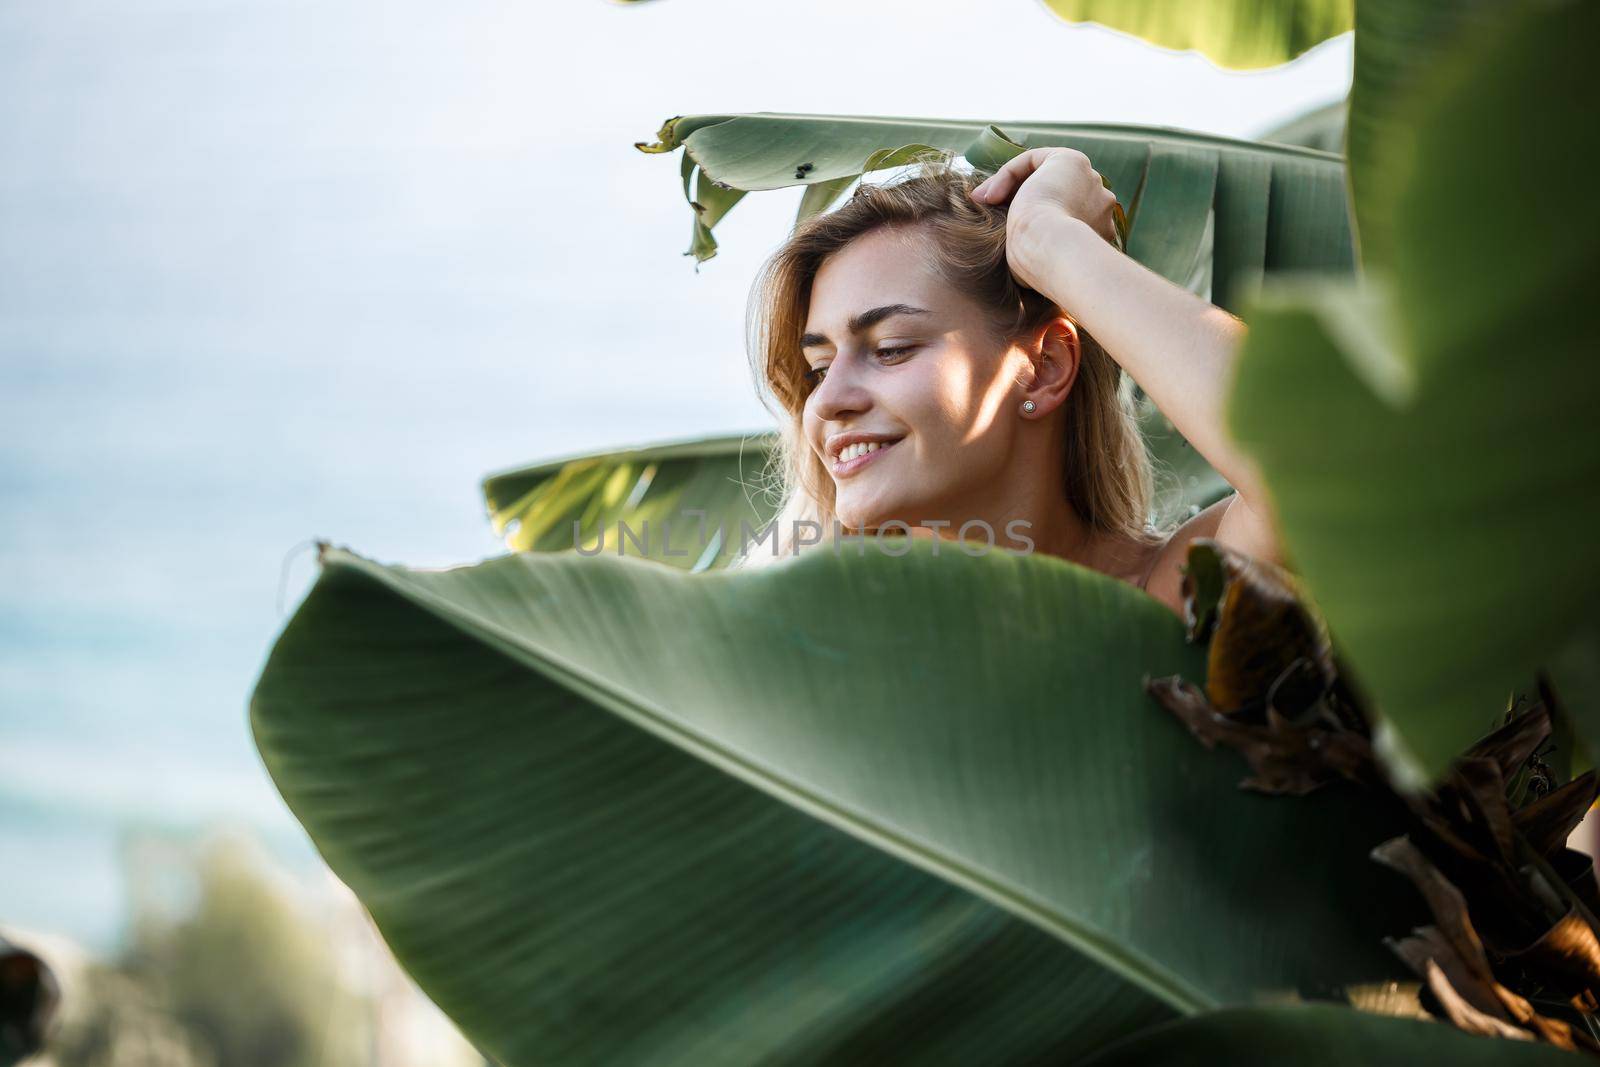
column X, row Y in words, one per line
column 1209, row 213
column 1230, row 33
column 1398, row 45
column 1423, row 439
column 840, row 809
column 1315, row 1035
column 654, row 491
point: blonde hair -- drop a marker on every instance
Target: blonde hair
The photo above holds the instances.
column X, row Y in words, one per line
column 1108, row 478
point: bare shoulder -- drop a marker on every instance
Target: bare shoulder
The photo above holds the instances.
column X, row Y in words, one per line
column 1166, row 573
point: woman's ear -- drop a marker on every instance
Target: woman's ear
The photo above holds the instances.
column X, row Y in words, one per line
column 1055, row 361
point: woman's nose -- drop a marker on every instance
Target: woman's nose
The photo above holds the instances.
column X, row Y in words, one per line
column 841, row 392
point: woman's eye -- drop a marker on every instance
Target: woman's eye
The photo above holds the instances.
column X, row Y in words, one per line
column 814, row 376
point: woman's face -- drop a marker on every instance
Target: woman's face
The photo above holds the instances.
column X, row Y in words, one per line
column 918, row 373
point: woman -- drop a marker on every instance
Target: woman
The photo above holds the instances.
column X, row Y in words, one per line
column 944, row 355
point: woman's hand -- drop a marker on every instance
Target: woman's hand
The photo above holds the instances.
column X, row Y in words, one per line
column 1047, row 186
column 1177, row 346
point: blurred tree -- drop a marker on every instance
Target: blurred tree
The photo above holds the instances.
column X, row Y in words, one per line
column 248, row 974
column 112, row 1019
column 221, row 967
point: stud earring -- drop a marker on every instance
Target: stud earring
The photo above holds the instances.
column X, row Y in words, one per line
column 1028, row 406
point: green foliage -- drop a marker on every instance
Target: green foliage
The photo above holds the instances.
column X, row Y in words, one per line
column 796, row 814
column 1418, row 437
column 650, row 490
column 241, row 980
column 245, row 972
column 121, row 1020
column 1319, row 1036
column 861, row 809
column 1206, row 212
column 1399, row 46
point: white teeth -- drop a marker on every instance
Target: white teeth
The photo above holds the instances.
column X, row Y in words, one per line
column 850, row 452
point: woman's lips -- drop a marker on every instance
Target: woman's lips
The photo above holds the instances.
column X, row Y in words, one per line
column 844, row 470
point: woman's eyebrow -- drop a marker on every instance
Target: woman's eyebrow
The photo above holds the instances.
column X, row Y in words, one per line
column 864, row 321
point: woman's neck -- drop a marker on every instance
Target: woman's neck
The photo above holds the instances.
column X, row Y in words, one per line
column 1041, row 513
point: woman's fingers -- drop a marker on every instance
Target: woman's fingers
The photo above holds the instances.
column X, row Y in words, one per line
column 1002, row 183
column 1082, row 191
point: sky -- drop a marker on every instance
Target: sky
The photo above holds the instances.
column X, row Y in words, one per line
column 274, row 270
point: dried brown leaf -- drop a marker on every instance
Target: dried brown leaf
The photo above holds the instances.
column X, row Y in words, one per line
column 1547, row 822
column 1445, row 902
column 1450, row 957
column 1473, row 981
column 1466, row 1016
column 1568, row 952
column 1266, row 643
column 1511, row 745
column 1285, row 759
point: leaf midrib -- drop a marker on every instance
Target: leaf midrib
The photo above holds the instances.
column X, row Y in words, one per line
column 1130, row 965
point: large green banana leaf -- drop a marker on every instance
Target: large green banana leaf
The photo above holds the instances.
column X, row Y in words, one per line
column 1207, row 212
column 690, row 503
column 1398, row 43
column 1232, row 33
column 1433, row 477
column 1314, row 1035
column 841, row 809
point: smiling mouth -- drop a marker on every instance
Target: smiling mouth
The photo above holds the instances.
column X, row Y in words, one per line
column 845, row 468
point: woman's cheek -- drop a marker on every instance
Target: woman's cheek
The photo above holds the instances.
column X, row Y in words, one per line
column 930, row 403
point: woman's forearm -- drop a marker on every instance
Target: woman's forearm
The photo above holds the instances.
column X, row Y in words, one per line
column 1176, row 346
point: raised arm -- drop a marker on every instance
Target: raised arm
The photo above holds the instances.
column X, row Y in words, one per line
column 1176, row 346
